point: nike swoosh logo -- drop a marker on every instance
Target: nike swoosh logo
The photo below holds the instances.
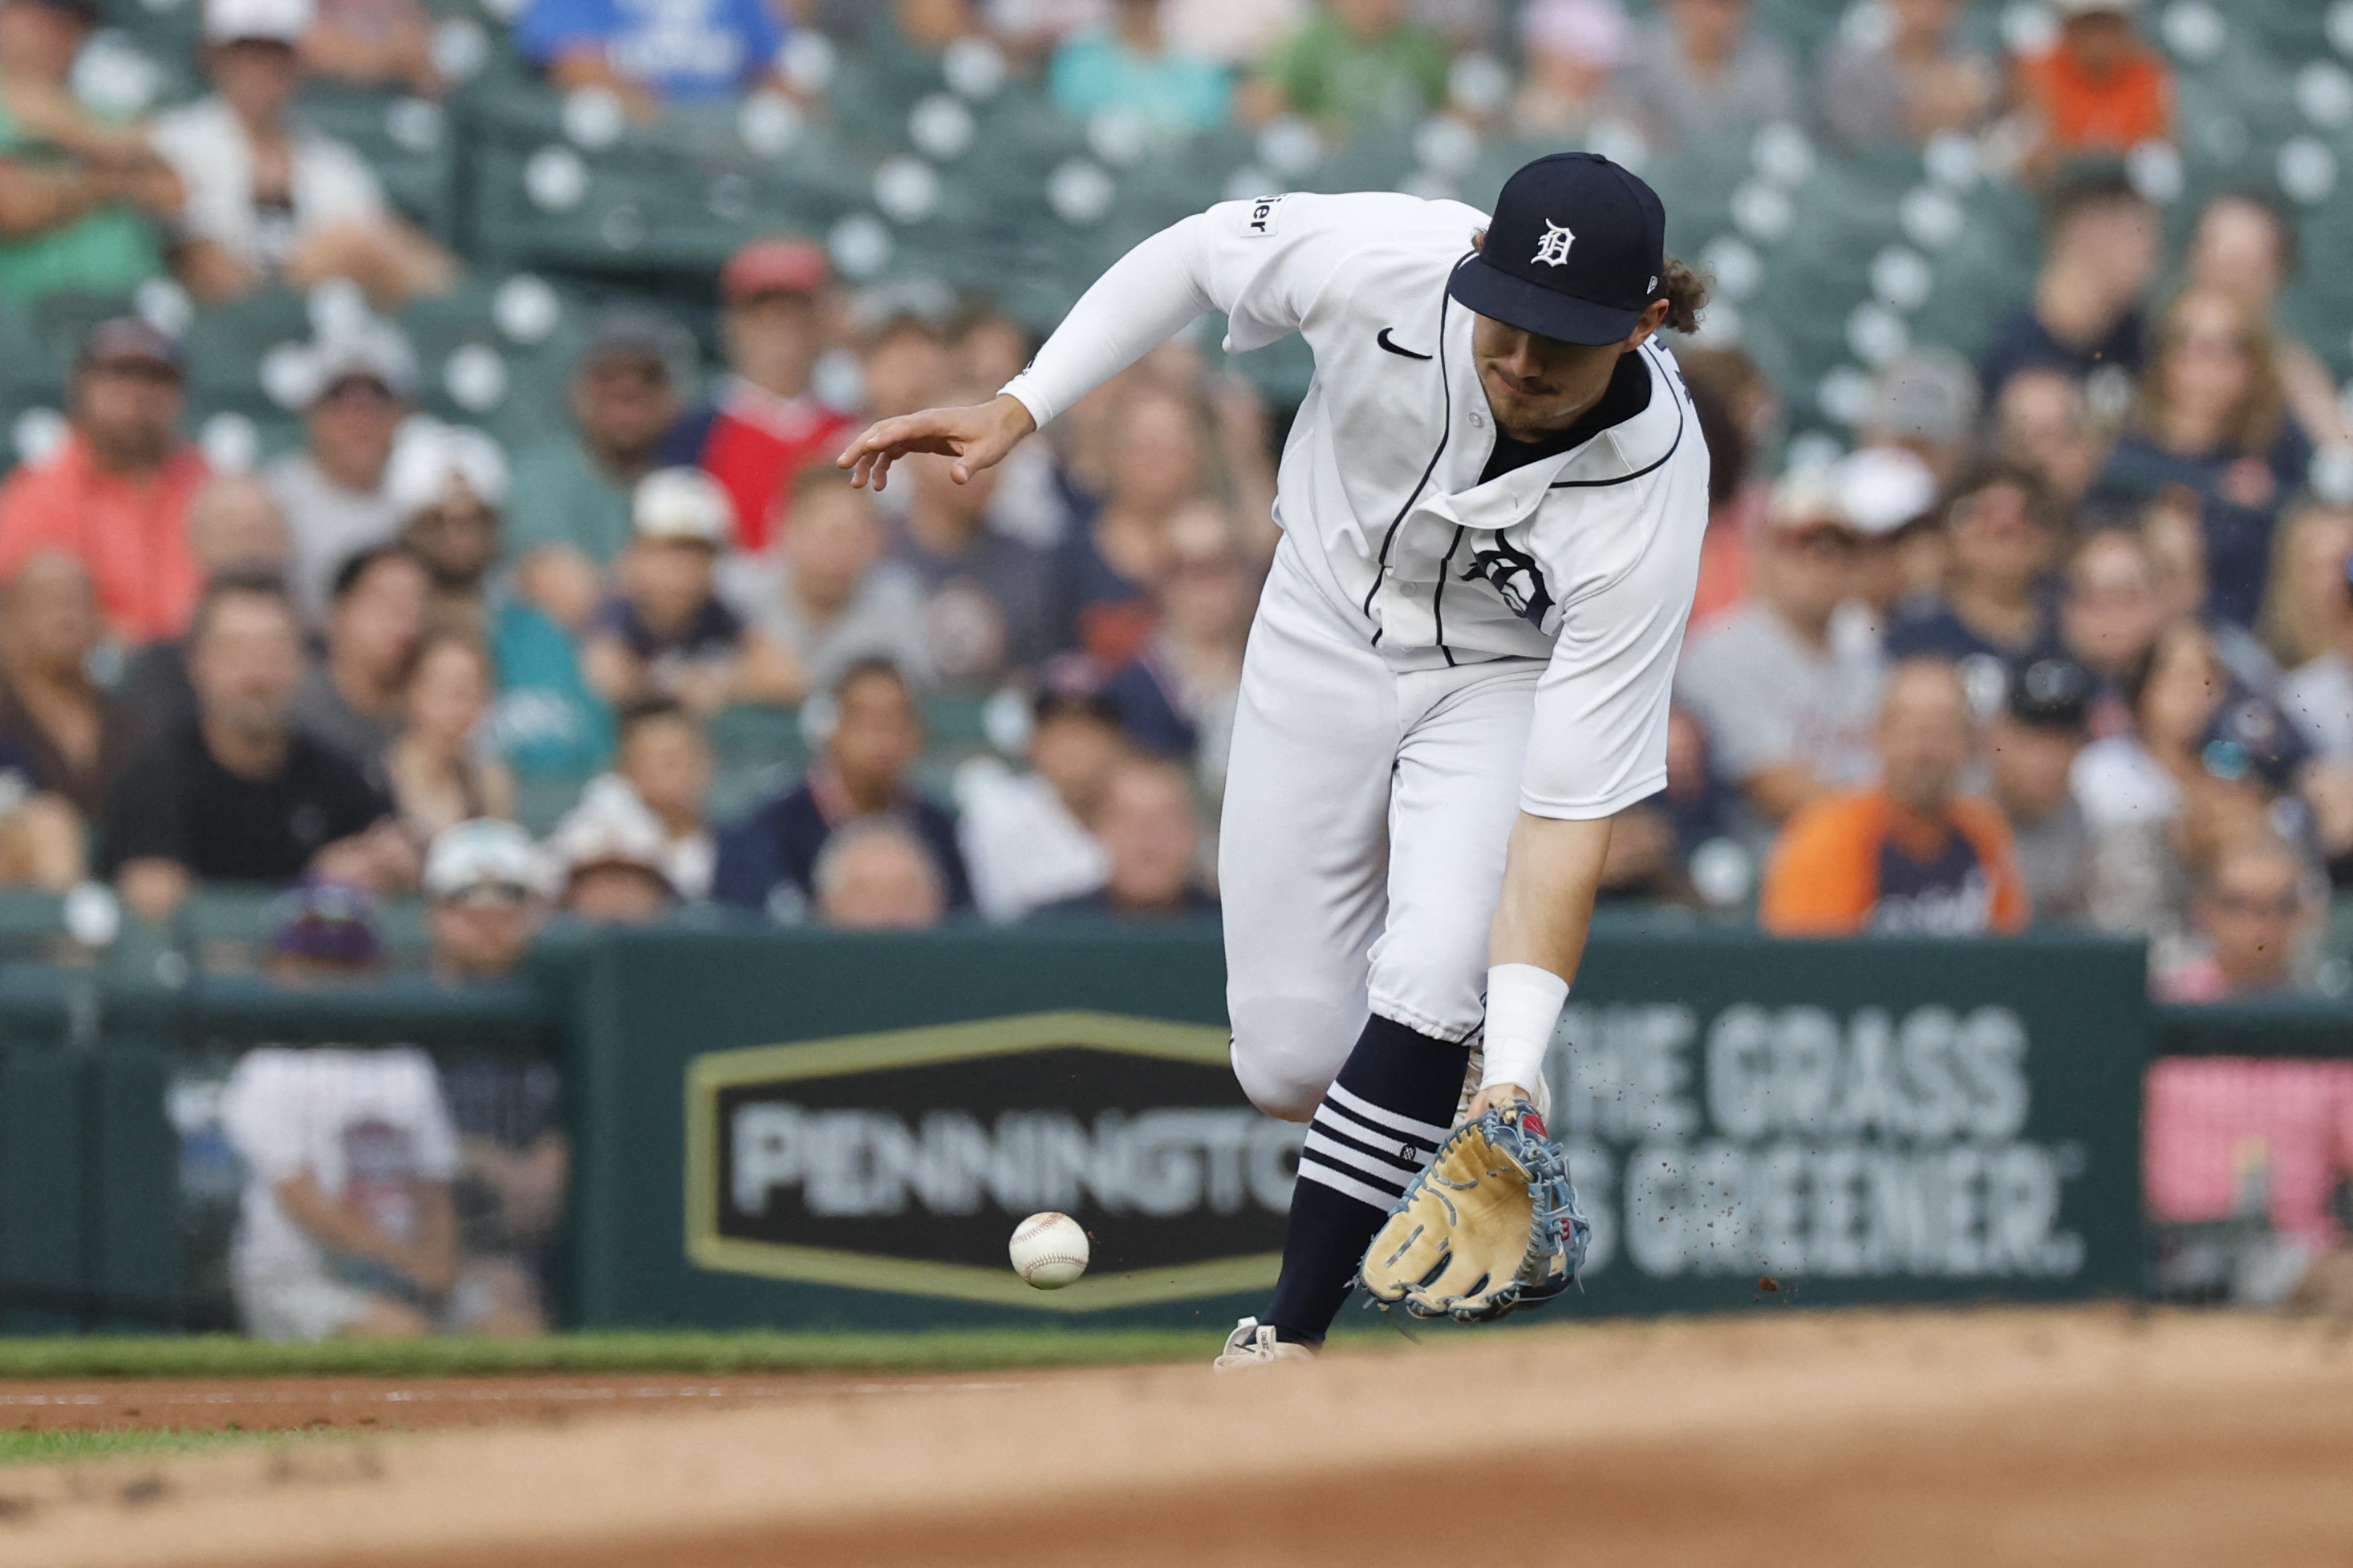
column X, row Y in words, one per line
column 1382, row 338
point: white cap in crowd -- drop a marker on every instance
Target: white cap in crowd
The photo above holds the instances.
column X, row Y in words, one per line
column 610, row 827
column 431, row 461
column 378, row 351
column 484, row 853
column 1881, row 488
column 683, row 505
column 268, row 21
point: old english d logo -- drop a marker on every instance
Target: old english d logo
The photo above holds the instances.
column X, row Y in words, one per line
column 1516, row 575
column 903, row 1161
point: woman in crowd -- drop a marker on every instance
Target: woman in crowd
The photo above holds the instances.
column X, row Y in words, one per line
column 438, row 774
column 2108, row 617
column 2159, row 798
column 52, row 714
column 2245, row 248
column 2212, row 422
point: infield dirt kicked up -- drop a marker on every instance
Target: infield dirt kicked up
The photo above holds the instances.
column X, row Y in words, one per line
column 2078, row 1436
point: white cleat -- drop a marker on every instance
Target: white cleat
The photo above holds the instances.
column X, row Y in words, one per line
column 1254, row 1344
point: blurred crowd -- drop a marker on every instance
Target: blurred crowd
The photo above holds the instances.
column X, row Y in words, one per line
column 2060, row 633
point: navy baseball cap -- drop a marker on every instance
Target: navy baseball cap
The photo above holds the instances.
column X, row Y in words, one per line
column 1575, row 251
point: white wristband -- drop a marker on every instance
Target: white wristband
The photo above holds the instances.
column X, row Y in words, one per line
column 1524, row 1005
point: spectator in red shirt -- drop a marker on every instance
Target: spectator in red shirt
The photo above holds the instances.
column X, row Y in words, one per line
column 2098, row 88
column 115, row 496
column 762, row 427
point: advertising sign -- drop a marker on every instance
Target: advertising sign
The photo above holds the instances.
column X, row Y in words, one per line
column 903, row 1161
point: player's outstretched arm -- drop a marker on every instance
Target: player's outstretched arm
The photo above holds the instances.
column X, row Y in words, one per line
column 976, row 436
column 1551, row 877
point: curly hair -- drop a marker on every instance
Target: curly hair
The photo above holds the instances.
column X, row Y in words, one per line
column 1685, row 290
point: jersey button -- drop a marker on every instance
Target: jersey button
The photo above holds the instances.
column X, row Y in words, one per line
column 1478, row 420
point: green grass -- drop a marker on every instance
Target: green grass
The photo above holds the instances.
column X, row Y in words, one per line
column 937, row 1351
column 62, row 1447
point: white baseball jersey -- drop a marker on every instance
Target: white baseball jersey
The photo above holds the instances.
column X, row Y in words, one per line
column 1587, row 559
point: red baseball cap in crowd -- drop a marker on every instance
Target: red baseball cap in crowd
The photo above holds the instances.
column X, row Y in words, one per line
column 779, row 264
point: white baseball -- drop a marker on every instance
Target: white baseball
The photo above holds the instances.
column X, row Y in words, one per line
column 1049, row 1250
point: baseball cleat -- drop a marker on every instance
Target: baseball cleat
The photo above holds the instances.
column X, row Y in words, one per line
column 1254, row 1344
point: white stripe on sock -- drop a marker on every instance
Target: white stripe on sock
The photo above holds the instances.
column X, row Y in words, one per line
column 1379, row 1117
column 1347, row 1187
column 1389, row 1145
column 1333, row 1149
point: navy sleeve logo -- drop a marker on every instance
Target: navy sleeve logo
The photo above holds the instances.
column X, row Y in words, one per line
column 1516, row 575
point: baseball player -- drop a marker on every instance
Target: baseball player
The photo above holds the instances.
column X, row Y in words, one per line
column 1492, row 502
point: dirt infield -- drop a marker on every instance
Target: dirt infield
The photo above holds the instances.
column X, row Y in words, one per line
column 2081, row 1437
column 389, row 1404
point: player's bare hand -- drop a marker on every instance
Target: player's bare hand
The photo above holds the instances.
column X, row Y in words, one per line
column 978, row 436
column 1494, row 1097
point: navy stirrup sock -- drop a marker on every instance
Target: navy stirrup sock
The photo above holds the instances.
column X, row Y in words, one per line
column 1379, row 1123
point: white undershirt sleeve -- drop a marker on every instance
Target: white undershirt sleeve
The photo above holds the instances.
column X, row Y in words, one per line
column 1147, row 297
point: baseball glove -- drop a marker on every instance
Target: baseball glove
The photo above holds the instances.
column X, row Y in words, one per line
column 1492, row 1226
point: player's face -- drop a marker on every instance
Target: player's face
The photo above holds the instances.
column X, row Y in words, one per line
column 1535, row 385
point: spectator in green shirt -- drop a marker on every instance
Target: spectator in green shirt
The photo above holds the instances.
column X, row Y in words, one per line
column 76, row 195
column 1354, row 62
column 568, row 521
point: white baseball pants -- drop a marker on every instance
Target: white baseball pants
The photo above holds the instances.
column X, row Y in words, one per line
column 1361, row 852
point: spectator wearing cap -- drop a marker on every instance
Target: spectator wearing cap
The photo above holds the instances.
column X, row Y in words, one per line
column 486, row 897
column 761, row 427
column 1024, row 835
column 332, row 492
column 1907, row 80
column 2097, row 87
column 436, row 766
column 1925, row 402
column 666, row 632
column 611, row 855
column 569, row 520
column 1789, row 708
column 2041, row 729
column 1994, row 602
column 447, row 483
column 1911, row 856
column 767, row 863
column 1705, row 72
column 1571, row 48
column 81, row 198
column 1132, row 68
column 1356, row 62
column 875, row 875
column 234, row 529
column 673, row 51
column 831, row 600
column 1151, row 838
column 268, row 199
column 2101, row 243
column 1888, row 497
column 2212, row 428
column 993, row 605
column 243, row 794
column 115, row 494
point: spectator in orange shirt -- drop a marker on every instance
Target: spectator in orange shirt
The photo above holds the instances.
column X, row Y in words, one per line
column 2098, row 88
column 1912, row 856
column 115, row 496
